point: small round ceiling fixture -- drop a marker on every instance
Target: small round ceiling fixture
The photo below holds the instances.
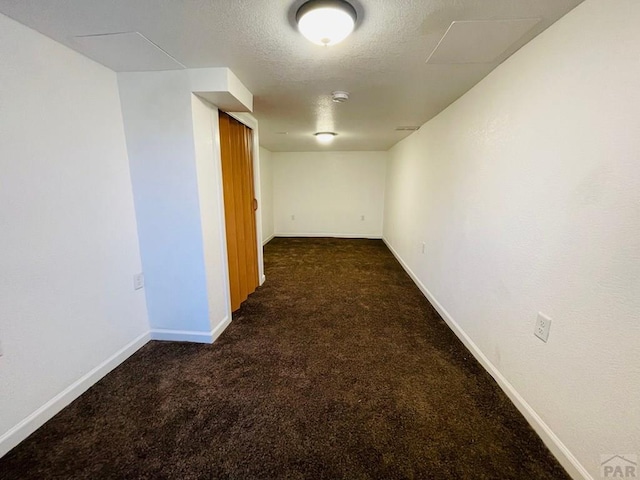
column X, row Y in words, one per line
column 326, row 22
column 339, row 96
column 325, row 137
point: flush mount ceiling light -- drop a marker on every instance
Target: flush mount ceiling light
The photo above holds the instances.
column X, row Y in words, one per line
column 326, row 22
column 325, row 137
column 340, row 96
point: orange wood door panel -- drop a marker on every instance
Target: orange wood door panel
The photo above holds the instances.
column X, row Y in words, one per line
column 237, row 181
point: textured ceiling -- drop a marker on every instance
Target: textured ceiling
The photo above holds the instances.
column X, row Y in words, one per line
column 382, row 64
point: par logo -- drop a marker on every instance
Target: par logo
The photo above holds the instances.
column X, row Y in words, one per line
column 619, row 466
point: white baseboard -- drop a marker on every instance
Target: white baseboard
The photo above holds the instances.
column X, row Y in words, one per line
column 38, row 418
column 329, row 235
column 190, row 336
column 570, row 463
column 34, row 421
column 268, row 240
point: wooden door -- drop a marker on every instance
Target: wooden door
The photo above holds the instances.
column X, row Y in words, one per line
column 236, row 142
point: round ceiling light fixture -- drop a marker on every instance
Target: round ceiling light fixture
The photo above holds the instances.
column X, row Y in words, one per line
column 339, row 96
column 326, row 22
column 325, row 137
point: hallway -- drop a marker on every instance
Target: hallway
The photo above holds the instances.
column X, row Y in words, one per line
column 337, row 367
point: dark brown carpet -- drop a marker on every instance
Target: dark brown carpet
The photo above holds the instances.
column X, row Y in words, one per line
column 336, row 368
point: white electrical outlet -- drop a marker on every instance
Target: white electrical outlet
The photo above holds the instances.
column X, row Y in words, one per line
column 362, row 218
column 543, row 324
column 293, row 217
column 138, row 281
column 424, row 247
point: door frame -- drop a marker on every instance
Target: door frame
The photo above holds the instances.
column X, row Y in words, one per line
column 250, row 121
column 207, row 136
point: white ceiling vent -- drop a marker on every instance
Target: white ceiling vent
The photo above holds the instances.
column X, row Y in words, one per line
column 479, row 41
column 126, row 52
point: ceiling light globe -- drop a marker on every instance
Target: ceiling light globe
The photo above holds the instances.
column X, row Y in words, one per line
column 326, row 22
column 325, row 138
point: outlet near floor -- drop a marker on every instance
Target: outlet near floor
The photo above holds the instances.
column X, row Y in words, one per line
column 138, row 281
column 543, row 324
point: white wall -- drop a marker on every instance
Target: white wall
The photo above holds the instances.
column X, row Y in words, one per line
column 209, row 172
column 156, row 107
column 175, row 184
column 266, row 190
column 174, row 153
column 68, row 247
column 526, row 192
column 327, row 193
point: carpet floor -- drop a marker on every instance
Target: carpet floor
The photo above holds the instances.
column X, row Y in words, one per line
column 336, row 368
